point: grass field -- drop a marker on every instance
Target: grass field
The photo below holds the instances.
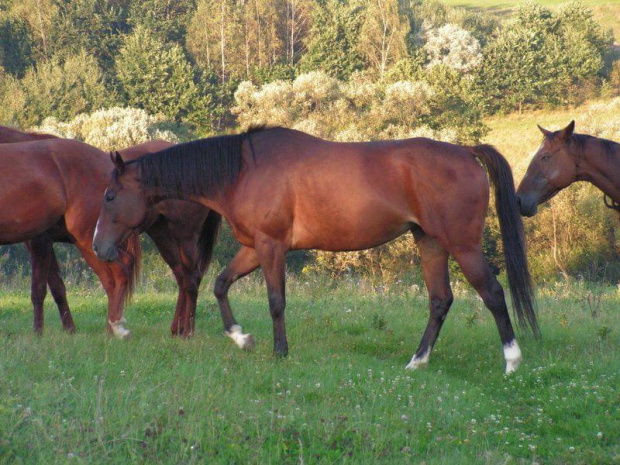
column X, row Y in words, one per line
column 342, row 396
column 607, row 13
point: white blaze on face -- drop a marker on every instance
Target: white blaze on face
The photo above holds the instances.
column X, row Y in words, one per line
column 119, row 330
column 419, row 362
column 244, row 341
column 512, row 354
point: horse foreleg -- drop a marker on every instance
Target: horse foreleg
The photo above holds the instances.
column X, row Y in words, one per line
column 242, row 264
column 272, row 258
column 176, row 327
column 40, row 248
column 114, row 278
column 479, row 274
column 59, row 292
column 434, row 260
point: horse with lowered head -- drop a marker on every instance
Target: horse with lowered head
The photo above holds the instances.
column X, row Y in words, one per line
column 183, row 232
column 282, row 190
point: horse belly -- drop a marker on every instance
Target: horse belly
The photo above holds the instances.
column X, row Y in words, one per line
column 25, row 216
column 349, row 232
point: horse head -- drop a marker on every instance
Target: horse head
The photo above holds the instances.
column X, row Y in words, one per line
column 553, row 167
column 124, row 210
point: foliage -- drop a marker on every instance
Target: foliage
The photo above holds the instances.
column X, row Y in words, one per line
column 331, row 44
column 539, row 55
column 62, row 88
column 112, row 128
column 453, row 47
column 157, row 77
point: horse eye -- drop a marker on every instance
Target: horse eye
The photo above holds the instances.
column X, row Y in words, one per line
column 109, row 197
column 546, row 157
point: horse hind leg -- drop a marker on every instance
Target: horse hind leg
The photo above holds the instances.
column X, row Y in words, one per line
column 40, row 248
column 434, row 260
column 479, row 274
column 59, row 292
column 242, row 264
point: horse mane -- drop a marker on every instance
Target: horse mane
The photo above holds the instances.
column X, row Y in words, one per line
column 200, row 167
column 580, row 140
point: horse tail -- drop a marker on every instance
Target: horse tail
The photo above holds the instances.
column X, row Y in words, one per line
column 207, row 238
column 513, row 239
column 133, row 248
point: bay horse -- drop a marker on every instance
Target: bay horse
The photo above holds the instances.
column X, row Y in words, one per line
column 281, row 189
column 41, row 186
column 564, row 158
column 183, row 232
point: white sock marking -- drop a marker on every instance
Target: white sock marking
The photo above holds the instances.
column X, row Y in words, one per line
column 119, row 330
column 512, row 354
column 419, row 362
column 244, row 341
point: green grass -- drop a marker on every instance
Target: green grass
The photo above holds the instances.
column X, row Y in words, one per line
column 342, row 396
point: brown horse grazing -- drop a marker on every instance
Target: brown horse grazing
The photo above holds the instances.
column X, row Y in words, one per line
column 41, row 185
column 565, row 157
column 183, row 232
column 281, row 190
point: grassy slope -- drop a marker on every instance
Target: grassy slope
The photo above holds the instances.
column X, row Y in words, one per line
column 607, row 13
column 517, row 136
column 342, row 396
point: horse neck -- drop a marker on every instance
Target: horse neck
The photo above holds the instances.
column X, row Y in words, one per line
column 156, row 196
column 601, row 169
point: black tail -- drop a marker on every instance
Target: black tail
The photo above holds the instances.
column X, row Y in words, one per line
column 206, row 241
column 511, row 226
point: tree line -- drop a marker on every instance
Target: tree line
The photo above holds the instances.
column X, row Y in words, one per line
column 118, row 72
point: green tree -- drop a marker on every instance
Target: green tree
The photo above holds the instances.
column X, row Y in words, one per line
column 332, row 41
column 15, row 45
column 166, row 18
column 157, row 77
column 61, row 87
column 93, row 25
column 383, row 34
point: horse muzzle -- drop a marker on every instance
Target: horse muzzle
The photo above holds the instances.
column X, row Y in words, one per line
column 527, row 206
column 108, row 254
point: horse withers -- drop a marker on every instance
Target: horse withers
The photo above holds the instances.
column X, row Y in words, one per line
column 281, row 190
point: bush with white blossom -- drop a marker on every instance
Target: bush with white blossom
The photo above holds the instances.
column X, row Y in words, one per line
column 452, row 46
column 111, row 128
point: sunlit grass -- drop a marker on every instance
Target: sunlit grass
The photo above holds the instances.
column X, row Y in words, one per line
column 341, row 396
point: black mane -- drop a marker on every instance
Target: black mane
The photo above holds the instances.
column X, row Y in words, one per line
column 200, row 167
column 580, row 140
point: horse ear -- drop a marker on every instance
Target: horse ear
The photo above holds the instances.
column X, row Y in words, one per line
column 116, row 158
column 544, row 131
column 568, row 130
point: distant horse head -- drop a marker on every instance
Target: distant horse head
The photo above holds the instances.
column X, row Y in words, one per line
column 123, row 212
column 553, row 167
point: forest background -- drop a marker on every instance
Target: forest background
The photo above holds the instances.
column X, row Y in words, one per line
column 118, row 72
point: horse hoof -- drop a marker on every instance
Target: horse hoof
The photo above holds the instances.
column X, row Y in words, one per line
column 248, row 342
column 418, row 361
column 415, row 364
column 243, row 341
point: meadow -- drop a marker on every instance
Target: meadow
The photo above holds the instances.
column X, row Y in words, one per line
column 342, row 395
